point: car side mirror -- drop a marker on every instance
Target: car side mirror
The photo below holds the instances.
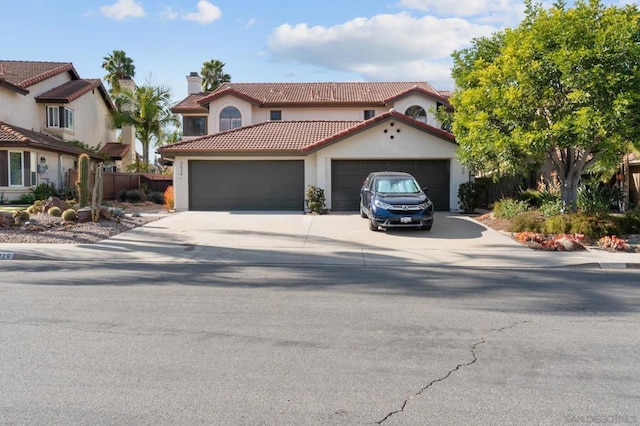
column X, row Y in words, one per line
column 425, row 189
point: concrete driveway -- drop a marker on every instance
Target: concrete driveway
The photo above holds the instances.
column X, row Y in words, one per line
column 336, row 239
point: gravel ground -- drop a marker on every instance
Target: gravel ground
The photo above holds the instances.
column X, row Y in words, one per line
column 45, row 229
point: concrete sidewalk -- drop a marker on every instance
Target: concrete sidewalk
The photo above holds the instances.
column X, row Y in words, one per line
column 285, row 238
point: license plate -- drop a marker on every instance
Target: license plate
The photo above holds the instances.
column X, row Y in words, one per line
column 405, row 220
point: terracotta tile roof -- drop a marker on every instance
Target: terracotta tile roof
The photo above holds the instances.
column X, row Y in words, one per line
column 23, row 74
column 69, row 91
column 190, row 104
column 288, row 137
column 115, row 150
column 270, row 136
column 14, row 136
column 309, row 94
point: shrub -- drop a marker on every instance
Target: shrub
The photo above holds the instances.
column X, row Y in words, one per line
column 116, row 212
column 551, row 208
column 55, row 211
column 315, row 199
column 134, row 196
column 526, row 221
column 26, row 199
column 121, row 195
column 592, row 226
column 628, row 223
column 531, row 197
column 558, row 224
column 69, row 214
column 69, row 193
column 469, row 196
column 508, row 208
column 596, row 197
column 44, row 191
column 169, row 202
column 156, row 197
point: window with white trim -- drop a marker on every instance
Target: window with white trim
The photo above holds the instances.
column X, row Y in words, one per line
column 59, row 117
column 417, row 113
column 16, row 169
column 230, row 118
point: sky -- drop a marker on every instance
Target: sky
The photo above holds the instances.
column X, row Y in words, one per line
column 258, row 40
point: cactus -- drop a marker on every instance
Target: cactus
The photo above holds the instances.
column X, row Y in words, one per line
column 69, row 215
column 83, row 180
column 54, row 211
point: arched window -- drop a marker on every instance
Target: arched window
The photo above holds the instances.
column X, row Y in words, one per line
column 417, row 113
column 230, row 118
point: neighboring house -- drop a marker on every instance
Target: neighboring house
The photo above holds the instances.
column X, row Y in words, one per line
column 42, row 106
column 258, row 146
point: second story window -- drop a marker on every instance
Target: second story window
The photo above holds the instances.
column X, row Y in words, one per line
column 275, row 115
column 59, row 117
column 369, row 113
column 417, row 113
column 194, row 126
column 230, row 118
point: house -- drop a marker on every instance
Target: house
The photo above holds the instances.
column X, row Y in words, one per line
column 44, row 107
column 258, row 146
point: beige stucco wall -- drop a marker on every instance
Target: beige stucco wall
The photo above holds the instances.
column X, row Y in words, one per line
column 374, row 143
column 253, row 114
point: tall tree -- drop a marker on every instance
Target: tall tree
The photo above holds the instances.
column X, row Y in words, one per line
column 118, row 66
column 213, row 75
column 563, row 85
column 147, row 108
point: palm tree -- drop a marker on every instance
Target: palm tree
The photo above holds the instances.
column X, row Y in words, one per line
column 118, row 66
column 147, row 109
column 212, row 75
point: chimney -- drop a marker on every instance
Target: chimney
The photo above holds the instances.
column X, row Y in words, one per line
column 194, row 83
column 128, row 131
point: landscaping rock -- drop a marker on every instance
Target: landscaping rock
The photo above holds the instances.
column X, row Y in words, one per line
column 55, row 202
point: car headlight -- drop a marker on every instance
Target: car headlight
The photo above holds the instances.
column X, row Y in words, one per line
column 425, row 205
column 381, row 204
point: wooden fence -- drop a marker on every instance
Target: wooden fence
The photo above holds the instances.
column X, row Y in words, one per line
column 113, row 182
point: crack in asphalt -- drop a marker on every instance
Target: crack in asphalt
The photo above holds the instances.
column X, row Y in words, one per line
column 458, row 367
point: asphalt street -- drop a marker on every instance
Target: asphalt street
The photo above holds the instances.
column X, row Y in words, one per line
column 143, row 343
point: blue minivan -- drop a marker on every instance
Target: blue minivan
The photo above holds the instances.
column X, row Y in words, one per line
column 395, row 199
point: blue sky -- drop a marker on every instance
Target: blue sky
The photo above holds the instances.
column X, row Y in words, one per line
column 258, row 40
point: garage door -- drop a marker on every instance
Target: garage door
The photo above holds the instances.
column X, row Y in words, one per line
column 246, row 185
column 347, row 177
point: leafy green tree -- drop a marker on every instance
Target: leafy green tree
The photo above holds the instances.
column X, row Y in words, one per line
column 213, row 75
column 118, row 66
column 563, row 85
column 147, row 108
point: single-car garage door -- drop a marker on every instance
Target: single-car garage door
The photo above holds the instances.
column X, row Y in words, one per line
column 246, row 185
column 347, row 177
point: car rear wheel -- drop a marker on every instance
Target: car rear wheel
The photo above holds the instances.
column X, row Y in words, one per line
column 362, row 212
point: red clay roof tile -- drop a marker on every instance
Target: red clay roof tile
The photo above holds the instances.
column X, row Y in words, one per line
column 300, row 94
column 26, row 73
column 69, row 91
column 288, row 137
column 11, row 135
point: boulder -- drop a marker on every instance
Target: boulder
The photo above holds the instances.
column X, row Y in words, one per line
column 55, row 202
column 84, row 215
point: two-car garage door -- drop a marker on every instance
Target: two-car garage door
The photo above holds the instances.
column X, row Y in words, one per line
column 246, row 185
column 347, row 177
column 279, row 184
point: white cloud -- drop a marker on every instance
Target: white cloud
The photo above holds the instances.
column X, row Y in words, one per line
column 123, row 9
column 206, row 14
column 384, row 47
column 168, row 14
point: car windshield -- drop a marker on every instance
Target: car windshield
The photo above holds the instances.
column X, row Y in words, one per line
column 397, row 185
